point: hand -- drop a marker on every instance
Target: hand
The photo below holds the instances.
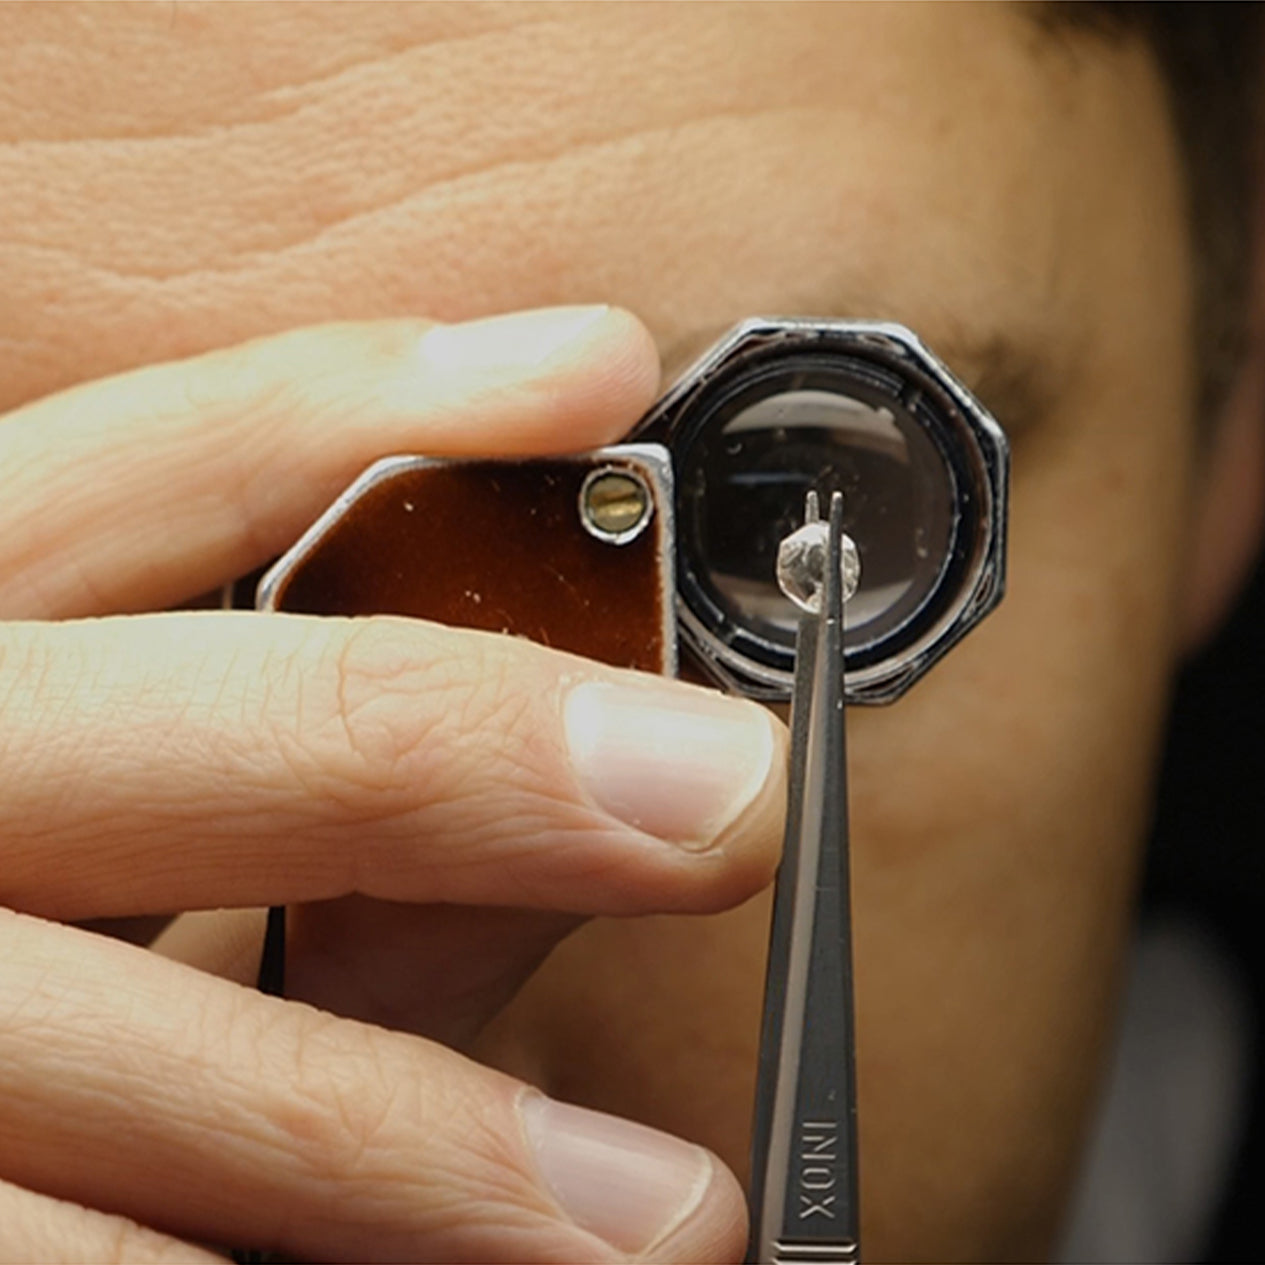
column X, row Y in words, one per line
column 160, row 762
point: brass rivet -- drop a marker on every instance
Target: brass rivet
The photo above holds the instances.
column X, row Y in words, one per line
column 615, row 505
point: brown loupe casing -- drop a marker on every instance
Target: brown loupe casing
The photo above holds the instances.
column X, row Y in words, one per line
column 492, row 545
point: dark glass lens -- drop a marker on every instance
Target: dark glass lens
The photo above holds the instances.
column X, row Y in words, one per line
column 743, row 475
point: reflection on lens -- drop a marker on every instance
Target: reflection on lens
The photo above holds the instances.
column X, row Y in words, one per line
column 744, row 475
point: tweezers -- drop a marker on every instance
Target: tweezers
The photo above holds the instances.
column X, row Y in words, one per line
column 804, row 1192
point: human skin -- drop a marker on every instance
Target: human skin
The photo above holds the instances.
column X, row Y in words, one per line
column 183, row 179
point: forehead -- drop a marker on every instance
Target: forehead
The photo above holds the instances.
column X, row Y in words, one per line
column 184, row 176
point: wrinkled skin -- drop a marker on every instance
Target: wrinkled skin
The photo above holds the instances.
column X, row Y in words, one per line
column 180, row 178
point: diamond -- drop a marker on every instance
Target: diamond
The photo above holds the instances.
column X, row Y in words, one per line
column 801, row 565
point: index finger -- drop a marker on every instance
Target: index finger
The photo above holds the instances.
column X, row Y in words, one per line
column 140, row 491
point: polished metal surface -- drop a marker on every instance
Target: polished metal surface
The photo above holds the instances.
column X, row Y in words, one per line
column 804, row 1194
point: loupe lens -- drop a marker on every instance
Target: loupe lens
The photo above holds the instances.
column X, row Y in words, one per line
column 743, row 482
column 784, row 406
column 748, row 449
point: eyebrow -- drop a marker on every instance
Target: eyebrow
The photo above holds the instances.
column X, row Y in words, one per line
column 1013, row 383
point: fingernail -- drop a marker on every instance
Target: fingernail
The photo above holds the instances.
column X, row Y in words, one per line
column 521, row 340
column 674, row 762
column 627, row 1184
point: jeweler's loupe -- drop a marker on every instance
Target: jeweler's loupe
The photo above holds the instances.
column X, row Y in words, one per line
column 782, row 407
column 612, row 553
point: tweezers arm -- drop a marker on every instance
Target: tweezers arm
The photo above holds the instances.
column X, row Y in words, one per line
column 804, row 1171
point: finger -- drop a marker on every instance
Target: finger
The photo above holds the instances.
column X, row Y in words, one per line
column 35, row 1227
column 134, row 1085
column 141, row 491
column 187, row 761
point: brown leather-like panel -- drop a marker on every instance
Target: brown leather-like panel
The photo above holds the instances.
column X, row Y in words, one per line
column 496, row 546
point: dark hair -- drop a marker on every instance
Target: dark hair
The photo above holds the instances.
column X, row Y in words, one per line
column 1209, row 54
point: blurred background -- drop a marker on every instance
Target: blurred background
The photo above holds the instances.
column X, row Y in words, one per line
column 1175, row 1169
column 1206, row 871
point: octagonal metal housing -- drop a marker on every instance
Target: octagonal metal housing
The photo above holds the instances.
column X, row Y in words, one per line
column 888, row 357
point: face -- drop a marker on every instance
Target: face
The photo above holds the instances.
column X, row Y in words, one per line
column 178, row 178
